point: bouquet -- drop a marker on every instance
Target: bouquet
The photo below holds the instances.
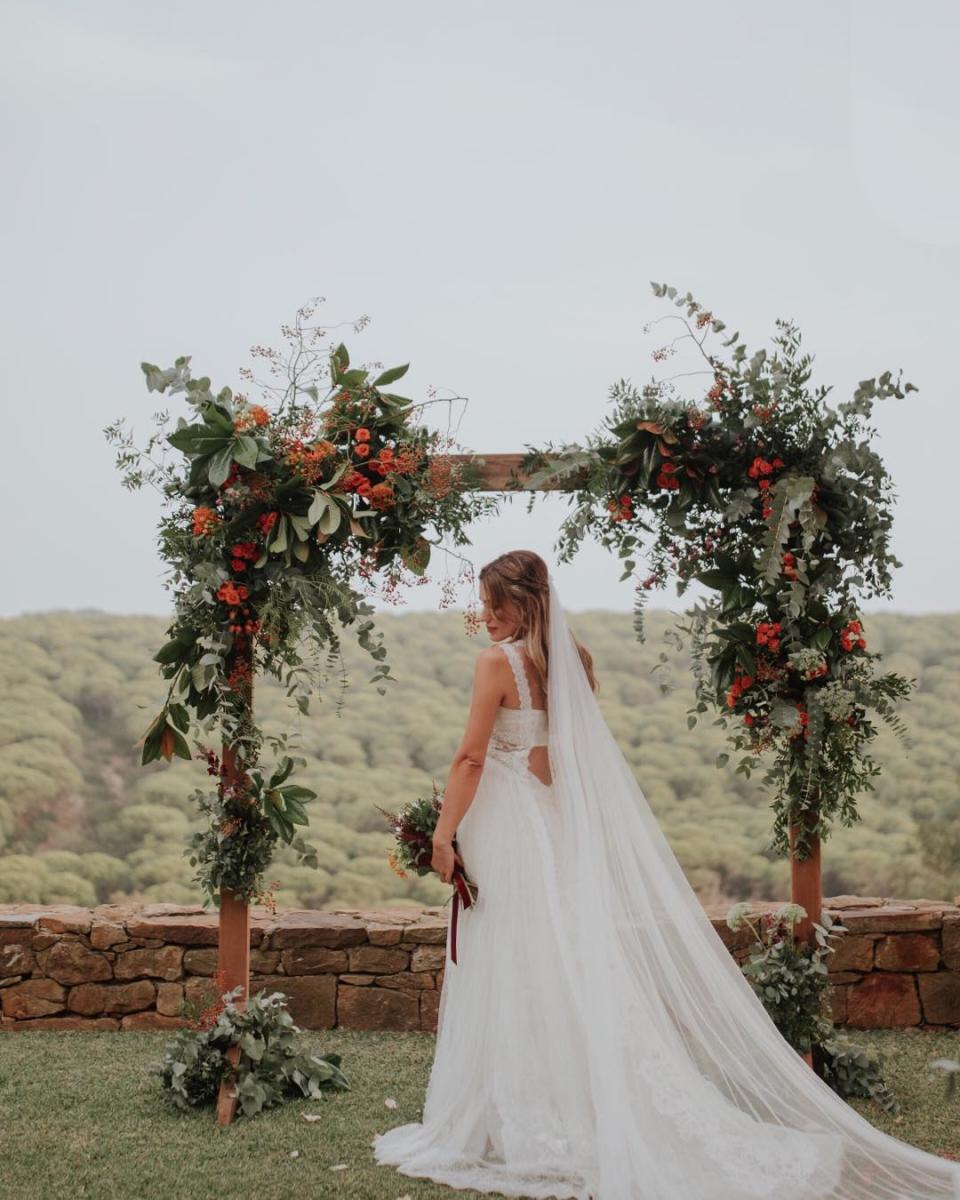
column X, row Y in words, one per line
column 414, row 826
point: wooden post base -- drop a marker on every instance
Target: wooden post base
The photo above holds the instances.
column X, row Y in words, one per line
column 234, row 964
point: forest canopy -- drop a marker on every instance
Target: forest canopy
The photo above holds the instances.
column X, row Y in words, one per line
column 82, row 822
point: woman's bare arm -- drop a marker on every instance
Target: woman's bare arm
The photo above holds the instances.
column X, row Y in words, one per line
column 489, row 689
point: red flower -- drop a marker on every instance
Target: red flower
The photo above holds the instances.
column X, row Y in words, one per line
column 266, row 521
column 232, row 593
column 361, row 449
column 741, row 683
column 759, row 467
column 363, row 435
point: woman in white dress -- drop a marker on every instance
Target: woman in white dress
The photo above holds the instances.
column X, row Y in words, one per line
column 596, row 1040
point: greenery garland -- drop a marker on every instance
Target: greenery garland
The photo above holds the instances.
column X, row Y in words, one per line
column 775, row 501
column 279, row 519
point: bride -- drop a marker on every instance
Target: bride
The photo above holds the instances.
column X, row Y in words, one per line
column 596, row 1040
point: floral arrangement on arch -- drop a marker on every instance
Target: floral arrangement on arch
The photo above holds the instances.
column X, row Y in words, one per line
column 285, row 517
column 775, row 501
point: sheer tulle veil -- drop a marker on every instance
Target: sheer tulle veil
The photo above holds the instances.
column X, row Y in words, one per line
column 677, row 1035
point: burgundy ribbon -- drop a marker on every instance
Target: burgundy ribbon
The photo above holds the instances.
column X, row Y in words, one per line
column 461, row 895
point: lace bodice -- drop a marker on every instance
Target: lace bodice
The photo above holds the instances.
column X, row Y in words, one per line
column 517, row 730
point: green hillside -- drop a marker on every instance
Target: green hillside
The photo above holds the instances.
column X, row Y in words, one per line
column 81, row 821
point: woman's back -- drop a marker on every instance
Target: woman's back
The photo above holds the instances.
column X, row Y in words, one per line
column 522, row 728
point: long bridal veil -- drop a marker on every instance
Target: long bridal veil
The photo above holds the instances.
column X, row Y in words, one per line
column 680, row 1045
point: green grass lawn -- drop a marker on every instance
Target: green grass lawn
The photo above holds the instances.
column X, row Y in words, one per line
column 81, row 1117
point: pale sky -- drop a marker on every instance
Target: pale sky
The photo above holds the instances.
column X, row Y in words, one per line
column 494, row 184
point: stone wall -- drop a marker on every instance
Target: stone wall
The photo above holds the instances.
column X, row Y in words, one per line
column 125, row 967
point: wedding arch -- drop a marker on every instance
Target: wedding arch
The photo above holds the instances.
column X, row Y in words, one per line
column 758, row 490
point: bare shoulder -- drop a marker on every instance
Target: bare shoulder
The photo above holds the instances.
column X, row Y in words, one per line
column 491, row 665
column 491, row 659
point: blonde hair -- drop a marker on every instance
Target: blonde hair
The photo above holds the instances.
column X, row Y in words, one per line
column 518, row 582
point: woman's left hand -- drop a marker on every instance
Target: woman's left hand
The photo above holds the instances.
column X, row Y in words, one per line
column 445, row 858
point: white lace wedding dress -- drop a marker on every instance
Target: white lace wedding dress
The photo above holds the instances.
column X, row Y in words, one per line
column 596, row 1040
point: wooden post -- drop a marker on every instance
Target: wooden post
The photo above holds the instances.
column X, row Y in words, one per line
column 806, row 883
column 233, row 944
column 234, row 963
column 806, row 886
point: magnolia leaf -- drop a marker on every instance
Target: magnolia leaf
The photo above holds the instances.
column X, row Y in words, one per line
column 357, row 529
column 279, row 542
column 199, row 440
column 391, row 375
column 329, row 520
column 220, row 464
column 300, row 526
column 246, row 452
column 337, row 475
column 318, row 506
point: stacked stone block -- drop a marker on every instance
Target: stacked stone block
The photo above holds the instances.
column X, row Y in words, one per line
column 134, row 967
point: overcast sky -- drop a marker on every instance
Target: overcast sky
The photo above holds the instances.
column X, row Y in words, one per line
column 494, row 184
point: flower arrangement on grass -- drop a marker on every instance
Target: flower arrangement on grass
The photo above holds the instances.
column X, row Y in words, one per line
column 284, row 518
column 791, row 980
column 775, row 501
column 269, row 1070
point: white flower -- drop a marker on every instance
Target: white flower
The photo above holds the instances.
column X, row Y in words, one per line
column 738, row 914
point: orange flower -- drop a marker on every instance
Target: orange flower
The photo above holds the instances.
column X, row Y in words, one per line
column 361, row 449
column 381, row 496
column 362, row 435
column 205, row 520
